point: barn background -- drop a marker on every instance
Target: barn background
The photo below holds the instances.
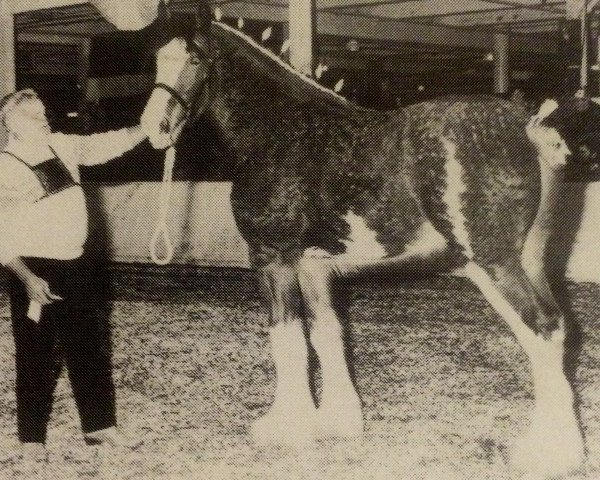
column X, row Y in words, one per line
column 93, row 77
column 444, row 384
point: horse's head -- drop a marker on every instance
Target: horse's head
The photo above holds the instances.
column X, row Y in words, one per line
column 567, row 133
column 181, row 90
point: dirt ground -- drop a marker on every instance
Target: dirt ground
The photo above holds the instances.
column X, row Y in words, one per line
column 444, row 385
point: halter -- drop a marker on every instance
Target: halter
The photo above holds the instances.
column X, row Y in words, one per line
column 176, row 96
column 186, row 105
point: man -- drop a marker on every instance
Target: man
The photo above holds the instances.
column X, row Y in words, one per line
column 43, row 228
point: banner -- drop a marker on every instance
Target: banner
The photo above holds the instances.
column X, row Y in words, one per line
column 128, row 15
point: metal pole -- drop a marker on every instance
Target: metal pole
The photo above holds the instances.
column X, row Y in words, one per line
column 8, row 82
column 302, row 28
column 7, row 50
column 501, row 63
column 585, row 45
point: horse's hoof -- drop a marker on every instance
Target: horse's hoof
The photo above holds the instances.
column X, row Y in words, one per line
column 292, row 428
column 548, row 456
column 339, row 422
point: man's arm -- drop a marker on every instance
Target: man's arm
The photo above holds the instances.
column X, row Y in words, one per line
column 136, row 134
column 99, row 148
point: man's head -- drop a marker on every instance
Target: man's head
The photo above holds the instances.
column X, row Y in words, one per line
column 24, row 116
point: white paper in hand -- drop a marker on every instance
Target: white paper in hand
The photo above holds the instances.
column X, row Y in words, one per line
column 35, row 311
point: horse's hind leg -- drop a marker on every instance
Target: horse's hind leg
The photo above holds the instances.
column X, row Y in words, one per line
column 533, row 256
column 291, row 416
column 552, row 445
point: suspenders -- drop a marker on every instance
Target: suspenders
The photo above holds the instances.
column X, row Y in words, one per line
column 52, row 174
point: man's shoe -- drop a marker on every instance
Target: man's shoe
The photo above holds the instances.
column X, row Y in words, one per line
column 113, row 438
column 33, row 464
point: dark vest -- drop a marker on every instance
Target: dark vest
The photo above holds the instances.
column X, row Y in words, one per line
column 52, row 174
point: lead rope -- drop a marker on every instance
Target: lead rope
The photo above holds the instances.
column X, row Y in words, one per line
column 161, row 232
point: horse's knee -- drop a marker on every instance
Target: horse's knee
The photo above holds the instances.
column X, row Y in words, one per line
column 311, row 268
column 280, row 292
column 511, row 293
column 314, row 277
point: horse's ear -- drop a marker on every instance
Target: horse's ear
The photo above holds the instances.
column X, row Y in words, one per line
column 203, row 18
column 164, row 22
column 164, row 15
column 582, row 104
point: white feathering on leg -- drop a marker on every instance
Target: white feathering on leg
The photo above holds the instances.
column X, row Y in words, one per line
column 290, row 419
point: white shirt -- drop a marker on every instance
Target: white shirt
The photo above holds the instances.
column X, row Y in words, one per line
column 55, row 226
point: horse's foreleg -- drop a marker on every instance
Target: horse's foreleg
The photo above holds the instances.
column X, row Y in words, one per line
column 553, row 444
column 290, row 419
column 339, row 413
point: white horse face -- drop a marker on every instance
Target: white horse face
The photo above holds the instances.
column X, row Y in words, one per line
column 182, row 69
column 566, row 134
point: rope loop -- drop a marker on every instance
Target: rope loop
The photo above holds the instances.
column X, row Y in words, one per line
column 161, row 232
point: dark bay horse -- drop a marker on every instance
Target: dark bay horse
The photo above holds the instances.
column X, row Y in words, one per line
column 324, row 191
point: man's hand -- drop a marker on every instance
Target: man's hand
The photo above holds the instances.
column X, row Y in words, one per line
column 38, row 290
column 136, row 134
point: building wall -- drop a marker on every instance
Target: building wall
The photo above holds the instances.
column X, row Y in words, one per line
column 123, row 218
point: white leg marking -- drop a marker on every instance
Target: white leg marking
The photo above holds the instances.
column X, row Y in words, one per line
column 316, row 252
column 455, row 187
column 339, row 412
column 291, row 417
column 362, row 242
column 534, row 249
column 427, row 240
column 553, row 444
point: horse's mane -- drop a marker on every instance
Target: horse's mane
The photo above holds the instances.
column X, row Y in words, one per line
column 303, row 88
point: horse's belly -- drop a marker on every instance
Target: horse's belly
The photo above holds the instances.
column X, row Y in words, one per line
column 365, row 242
column 361, row 241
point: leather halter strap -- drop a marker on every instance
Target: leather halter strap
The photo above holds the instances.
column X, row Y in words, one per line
column 175, row 94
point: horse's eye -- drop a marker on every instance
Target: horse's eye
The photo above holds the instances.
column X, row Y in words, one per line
column 194, row 60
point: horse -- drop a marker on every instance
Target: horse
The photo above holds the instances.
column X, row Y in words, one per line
column 324, row 191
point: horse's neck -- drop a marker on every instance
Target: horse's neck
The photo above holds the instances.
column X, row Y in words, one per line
column 249, row 105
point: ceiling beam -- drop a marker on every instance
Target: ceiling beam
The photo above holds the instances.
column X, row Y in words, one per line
column 53, row 38
column 555, row 7
column 361, row 26
column 334, row 5
column 356, row 25
column 21, row 6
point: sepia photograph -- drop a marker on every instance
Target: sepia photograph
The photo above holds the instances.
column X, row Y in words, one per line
column 300, row 239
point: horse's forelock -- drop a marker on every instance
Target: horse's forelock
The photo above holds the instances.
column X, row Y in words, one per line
column 175, row 48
